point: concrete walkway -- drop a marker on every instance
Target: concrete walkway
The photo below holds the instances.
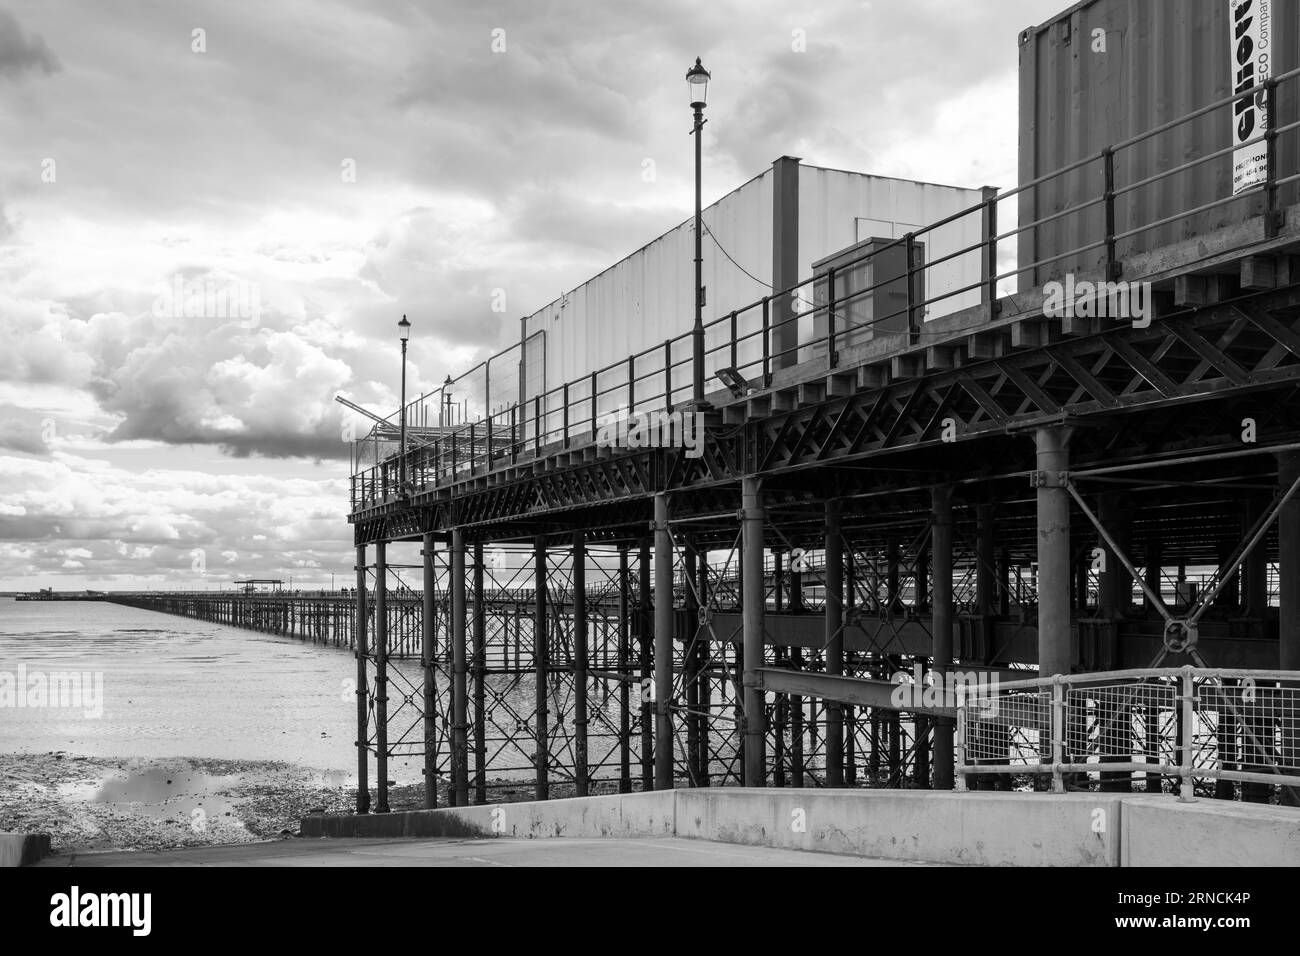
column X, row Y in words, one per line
column 665, row 851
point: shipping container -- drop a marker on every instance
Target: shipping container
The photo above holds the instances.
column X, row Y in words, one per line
column 1105, row 71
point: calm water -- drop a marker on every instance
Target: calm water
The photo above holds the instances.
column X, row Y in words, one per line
column 174, row 687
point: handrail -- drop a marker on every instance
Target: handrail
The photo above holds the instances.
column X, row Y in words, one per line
column 1081, row 724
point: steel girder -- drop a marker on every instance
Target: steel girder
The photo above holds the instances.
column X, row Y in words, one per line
column 1212, row 353
column 1215, row 354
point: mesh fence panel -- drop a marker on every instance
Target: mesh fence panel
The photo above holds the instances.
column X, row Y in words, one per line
column 1012, row 727
column 1241, row 723
column 1110, row 721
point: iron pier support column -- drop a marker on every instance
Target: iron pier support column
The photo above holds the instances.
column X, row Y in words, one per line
column 1151, row 571
column 663, row 658
column 834, row 624
column 702, row 651
column 478, row 667
column 985, row 560
column 893, row 591
column 580, row 666
column 753, row 598
column 428, row 636
column 1288, row 553
column 381, row 675
column 850, row 712
column 1004, row 582
column 625, row 676
column 941, row 551
column 459, row 688
column 362, row 649
column 1053, row 506
column 1115, row 598
column 1115, row 593
column 1288, row 595
column 921, row 592
column 645, row 618
column 690, row 664
column 541, row 655
column 1254, row 596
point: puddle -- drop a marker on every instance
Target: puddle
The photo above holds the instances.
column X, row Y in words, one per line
column 332, row 778
column 167, row 795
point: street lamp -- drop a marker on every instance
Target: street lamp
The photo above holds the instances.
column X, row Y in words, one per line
column 404, row 330
column 446, row 402
column 697, row 81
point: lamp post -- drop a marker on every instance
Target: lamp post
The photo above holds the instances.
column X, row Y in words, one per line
column 404, row 330
column 444, row 415
column 697, row 81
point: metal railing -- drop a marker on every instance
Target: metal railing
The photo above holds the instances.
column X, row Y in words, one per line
column 658, row 379
column 1186, row 723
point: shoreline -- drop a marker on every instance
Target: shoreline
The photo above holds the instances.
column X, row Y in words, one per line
column 90, row 804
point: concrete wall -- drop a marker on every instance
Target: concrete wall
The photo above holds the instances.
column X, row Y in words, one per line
column 979, row 829
column 21, row 849
column 618, row 815
column 972, row 829
column 1158, row 831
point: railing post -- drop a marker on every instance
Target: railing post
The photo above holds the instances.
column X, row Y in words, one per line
column 454, row 457
column 831, row 356
column 594, row 426
column 514, row 434
column 668, row 374
column 1187, row 736
column 631, row 384
column 767, row 341
column 1108, row 197
column 537, row 424
column 471, row 449
column 960, row 784
column 989, row 266
column 1272, row 215
column 564, row 415
column 489, row 441
column 909, row 250
column 1058, row 733
column 735, row 361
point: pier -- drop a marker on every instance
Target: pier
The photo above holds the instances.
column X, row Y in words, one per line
column 1093, row 513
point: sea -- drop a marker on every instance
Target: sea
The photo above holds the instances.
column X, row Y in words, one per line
column 170, row 686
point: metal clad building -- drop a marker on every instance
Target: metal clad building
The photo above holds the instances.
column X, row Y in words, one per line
column 645, row 299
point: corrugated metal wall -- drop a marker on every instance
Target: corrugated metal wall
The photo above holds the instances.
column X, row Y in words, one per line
column 1162, row 59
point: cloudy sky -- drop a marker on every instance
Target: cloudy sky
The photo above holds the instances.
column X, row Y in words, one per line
column 332, row 165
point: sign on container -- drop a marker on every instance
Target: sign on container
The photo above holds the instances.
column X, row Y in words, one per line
column 1250, row 36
